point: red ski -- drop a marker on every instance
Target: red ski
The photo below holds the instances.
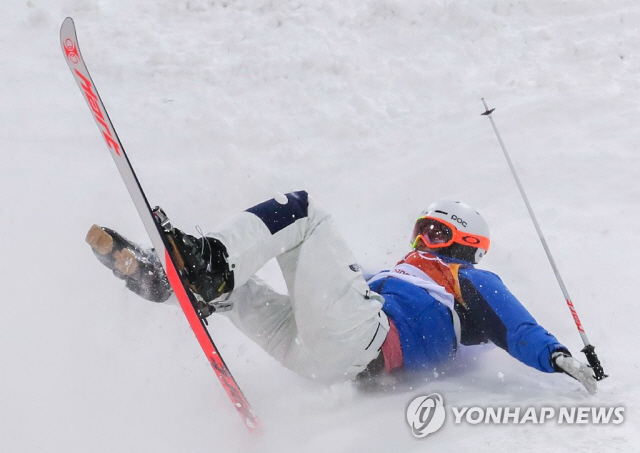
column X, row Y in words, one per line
column 69, row 43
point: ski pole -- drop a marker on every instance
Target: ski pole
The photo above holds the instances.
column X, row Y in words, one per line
column 589, row 349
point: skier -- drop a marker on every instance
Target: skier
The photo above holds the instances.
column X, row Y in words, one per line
column 333, row 324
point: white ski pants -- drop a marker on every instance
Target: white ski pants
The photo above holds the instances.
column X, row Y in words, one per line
column 330, row 325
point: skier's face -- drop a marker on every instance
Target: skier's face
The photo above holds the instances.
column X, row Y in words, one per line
column 421, row 247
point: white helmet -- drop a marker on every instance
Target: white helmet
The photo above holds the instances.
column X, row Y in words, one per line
column 456, row 228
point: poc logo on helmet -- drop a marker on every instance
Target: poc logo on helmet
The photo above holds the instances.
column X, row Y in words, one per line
column 457, row 219
column 426, row 414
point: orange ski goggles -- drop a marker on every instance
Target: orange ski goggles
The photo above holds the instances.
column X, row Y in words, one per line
column 437, row 233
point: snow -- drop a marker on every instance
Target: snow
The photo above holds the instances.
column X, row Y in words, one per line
column 374, row 107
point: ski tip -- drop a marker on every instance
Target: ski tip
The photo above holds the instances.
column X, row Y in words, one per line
column 67, row 29
column 68, row 21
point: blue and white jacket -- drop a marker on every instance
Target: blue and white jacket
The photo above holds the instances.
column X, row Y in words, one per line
column 436, row 303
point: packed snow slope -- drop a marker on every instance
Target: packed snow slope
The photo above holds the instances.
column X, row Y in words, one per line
column 374, row 107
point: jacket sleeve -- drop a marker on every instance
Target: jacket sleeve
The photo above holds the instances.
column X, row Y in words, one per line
column 495, row 313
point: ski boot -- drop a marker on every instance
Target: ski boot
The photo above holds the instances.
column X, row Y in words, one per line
column 139, row 268
column 202, row 263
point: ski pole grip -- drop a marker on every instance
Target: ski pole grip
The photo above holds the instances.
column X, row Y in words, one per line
column 594, row 362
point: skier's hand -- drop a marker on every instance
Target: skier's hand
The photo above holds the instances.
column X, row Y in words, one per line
column 576, row 369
